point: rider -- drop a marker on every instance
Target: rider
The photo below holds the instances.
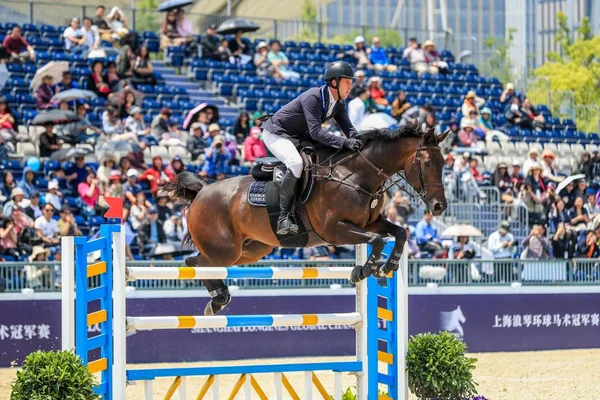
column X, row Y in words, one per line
column 302, row 119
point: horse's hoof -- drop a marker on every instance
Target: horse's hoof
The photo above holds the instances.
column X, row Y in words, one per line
column 381, row 270
column 359, row 273
column 216, row 305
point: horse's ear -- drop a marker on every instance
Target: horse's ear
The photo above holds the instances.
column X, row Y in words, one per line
column 429, row 136
column 443, row 136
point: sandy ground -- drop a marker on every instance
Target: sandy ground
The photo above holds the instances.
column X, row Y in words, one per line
column 544, row 375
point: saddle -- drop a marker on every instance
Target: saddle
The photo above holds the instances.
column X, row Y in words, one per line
column 264, row 192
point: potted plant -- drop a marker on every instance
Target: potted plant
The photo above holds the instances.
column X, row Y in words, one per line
column 49, row 375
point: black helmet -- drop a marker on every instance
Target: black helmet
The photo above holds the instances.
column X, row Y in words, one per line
column 337, row 70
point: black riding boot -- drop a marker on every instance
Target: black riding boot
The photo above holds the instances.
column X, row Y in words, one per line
column 287, row 194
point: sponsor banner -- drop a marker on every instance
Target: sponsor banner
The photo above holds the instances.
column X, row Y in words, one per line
column 487, row 322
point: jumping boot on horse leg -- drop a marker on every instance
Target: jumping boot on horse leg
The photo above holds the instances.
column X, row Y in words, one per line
column 217, row 289
column 287, row 194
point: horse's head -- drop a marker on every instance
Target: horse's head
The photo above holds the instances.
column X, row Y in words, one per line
column 423, row 170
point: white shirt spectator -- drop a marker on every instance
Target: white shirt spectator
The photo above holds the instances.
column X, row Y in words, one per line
column 48, row 228
column 70, row 32
column 356, row 111
column 134, row 218
column 495, row 244
column 414, row 55
column 54, row 199
column 92, row 39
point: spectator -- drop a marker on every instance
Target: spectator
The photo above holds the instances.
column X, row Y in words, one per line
column 96, row 82
column 169, row 35
column 125, row 62
column 89, row 191
column 73, row 37
column 66, row 224
column 67, row 82
column 112, row 78
column 118, row 23
column 28, row 182
column 558, row 215
column 138, row 212
column 33, row 210
column 16, row 197
column 516, row 177
column 485, row 120
column 502, row 243
column 533, row 159
column 591, row 206
column 239, row 48
column 100, row 23
column 548, row 170
column 427, row 235
column 402, row 205
column 173, row 227
column 568, row 195
column 223, row 53
column 129, row 101
column 467, row 136
column 513, row 113
column 241, row 128
column 53, row 196
column 360, row 54
column 586, row 167
column 416, row 57
column 474, row 169
column 579, row 218
column 461, row 249
column 184, row 27
column 534, row 188
column 589, row 244
column 217, row 157
column 38, row 276
column 131, row 188
column 156, row 175
column 400, row 105
column 111, row 123
column 501, row 178
column 176, row 167
column 379, row 58
column 9, row 240
column 262, row 63
column 195, row 143
column 136, row 157
column 45, row 92
column 471, row 103
column 413, row 247
column 210, row 43
column 377, row 93
column 173, row 137
column 89, row 33
column 319, row 253
column 48, row 141
column 160, row 123
column 357, row 109
column 151, row 233
column 433, row 59
column 431, row 123
column 17, row 47
column 7, row 185
column 507, row 95
column 46, row 227
column 77, row 132
column 280, row 60
column 563, row 243
column 7, row 119
column 536, row 244
column 143, row 73
column 254, row 148
column 77, row 172
column 530, row 117
column 359, row 83
column 106, row 167
column 164, row 209
column 416, row 112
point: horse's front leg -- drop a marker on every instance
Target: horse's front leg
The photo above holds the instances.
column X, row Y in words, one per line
column 384, row 227
column 348, row 233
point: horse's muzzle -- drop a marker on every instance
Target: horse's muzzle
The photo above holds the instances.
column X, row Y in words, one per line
column 437, row 207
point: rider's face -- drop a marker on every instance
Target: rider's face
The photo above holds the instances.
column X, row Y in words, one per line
column 345, row 87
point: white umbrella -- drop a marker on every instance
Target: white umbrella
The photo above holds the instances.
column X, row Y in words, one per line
column 54, row 68
column 568, row 180
column 462, row 230
column 377, row 121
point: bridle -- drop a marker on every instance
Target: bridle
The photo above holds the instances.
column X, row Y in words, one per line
column 416, row 163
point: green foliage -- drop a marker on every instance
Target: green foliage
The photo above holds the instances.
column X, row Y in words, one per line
column 350, row 393
column 309, row 11
column 498, row 63
column 576, row 70
column 147, row 18
column 438, row 367
column 389, row 37
column 48, row 375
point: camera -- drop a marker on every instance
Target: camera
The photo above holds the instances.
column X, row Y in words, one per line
column 219, row 145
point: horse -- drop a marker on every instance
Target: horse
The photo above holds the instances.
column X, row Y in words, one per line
column 344, row 207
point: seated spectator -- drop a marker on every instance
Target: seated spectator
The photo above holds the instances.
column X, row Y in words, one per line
column 379, row 58
column 358, row 84
column 462, row 249
column 45, row 92
column 16, row 197
column 280, row 60
column 564, row 242
column 357, row 109
column 156, row 175
column 151, row 233
column 559, row 215
column 467, row 136
column 89, row 33
column 359, row 53
column 169, row 36
column 579, row 218
column 210, row 43
column 513, row 114
column 9, row 240
column 129, row 101
column 106, row 167
column 254, row 148
column 433, row 59
column 416, row 57
column 7, row 185
column 77, row 172
column 217, row 158
column 506, row 98
column 142, row 68
column 89, row 190
column 474, row 169
column 73, row 37
column 54, row 196
column 531, row 119
column 239, row 49
column 485, row 120
column 416, row 112
column 160, row 123
column 431, row 123
column 377, row 93
column 241, row 128
column 77, row 132
column 588, row 245
column 38, row 276
column 17, row 48
column 585, row 166
column 7, row 119
column 501, row 179
column 27, row 183
column 46, row 227
column 262, row 63
column 118, row 23
column 174, row 229
column 139, row 211
column 112, row 78
column 536, row 244
column 581, row 189
column 548, row 170
column 136, row 157
column 33, row 210
column 125, row 62
column 591, row 206
column 96, row 82
column 173, row 137
column 427, row 235
column 176, row 167
column 99, row 22
column 48, row 141
column 400, row 105
column 66, row 224
column 132, row 188
column 67, row 82
column 163, row 205
column 224, row 53
column 471, row 103
column 195, row 142
column 111, row 123
column 502, row 243
column 184, row 27
column 534, row 189
column 474, row 121
column 532, row 159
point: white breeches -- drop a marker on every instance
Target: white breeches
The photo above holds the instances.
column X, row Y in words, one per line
column 285, row 151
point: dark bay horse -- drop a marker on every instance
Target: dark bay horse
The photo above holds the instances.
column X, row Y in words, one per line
column 344, row 208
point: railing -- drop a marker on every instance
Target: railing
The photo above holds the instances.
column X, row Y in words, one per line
column 444, row 272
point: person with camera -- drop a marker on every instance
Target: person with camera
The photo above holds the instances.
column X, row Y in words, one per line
column 217, row 158
column 462, row 249
column 536, row 244
column 46, row 227
column 502, row 242
column 66, row 224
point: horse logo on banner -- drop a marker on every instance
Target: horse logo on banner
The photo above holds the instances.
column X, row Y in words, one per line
column 452, row 321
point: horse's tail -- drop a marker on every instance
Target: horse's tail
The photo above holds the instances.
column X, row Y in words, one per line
column 185, row 186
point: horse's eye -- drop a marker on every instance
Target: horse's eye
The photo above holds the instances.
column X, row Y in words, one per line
column 428, row 163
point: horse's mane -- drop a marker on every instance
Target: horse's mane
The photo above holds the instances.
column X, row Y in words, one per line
column 389, row 134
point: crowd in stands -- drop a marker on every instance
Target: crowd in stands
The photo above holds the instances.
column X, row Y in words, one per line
column 42, row 204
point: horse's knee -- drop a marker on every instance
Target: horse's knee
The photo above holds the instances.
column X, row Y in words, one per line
column 377, row 243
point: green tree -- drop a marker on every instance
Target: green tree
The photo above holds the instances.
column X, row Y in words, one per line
column 147, row 18
column 499, row 64
column 576, row 70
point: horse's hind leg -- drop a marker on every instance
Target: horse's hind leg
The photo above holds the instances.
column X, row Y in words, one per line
column 252, row 251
